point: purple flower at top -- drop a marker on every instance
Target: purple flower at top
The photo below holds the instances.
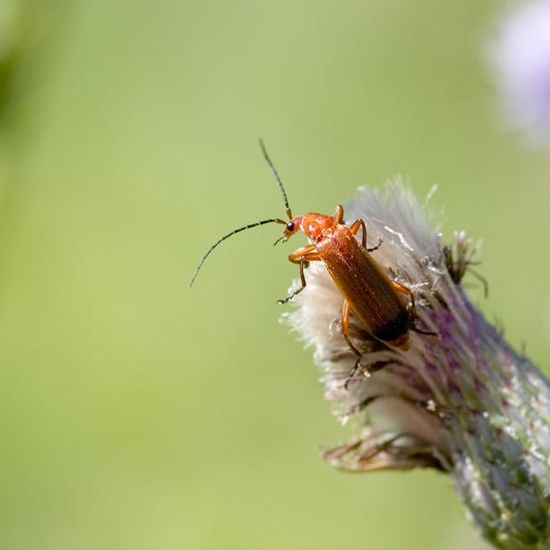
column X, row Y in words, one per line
column 520, row 55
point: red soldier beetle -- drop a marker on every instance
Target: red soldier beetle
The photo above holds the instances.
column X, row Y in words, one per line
column 385, row 307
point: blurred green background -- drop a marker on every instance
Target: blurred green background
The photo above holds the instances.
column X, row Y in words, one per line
column 136, row 413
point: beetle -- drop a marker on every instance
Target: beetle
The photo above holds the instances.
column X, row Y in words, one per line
column 385, row 307
column 368, row 292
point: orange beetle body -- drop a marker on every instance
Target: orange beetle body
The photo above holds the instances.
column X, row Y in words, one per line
column 368, row 293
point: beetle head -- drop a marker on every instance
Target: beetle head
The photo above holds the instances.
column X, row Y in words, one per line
column 292, row 226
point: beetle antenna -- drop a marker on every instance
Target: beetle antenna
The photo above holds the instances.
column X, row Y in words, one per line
column 221, row 239
column 277, row 177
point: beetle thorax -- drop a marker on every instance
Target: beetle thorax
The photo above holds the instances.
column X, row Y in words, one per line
column 316, row 226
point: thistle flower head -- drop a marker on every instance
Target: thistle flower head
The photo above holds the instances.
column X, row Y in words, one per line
column 460, row 400
column 520, row 56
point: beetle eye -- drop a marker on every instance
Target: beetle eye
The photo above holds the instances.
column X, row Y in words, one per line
column 290, row 226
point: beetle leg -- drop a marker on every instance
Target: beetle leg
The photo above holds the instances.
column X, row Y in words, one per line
column 339, row 215
column 412, row 308
column 360, row 224
column 299, row 253
column 354, row 228
column 409, row 294
column 345, row 332
column 345, row 327
column 376, row 246
column 309, row 257
column 303, row 263
column 302, row 256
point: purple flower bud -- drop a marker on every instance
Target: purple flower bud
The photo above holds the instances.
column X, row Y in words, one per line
column 520, row 55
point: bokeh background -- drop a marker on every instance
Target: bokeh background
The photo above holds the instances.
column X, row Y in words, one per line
column 136, row 413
